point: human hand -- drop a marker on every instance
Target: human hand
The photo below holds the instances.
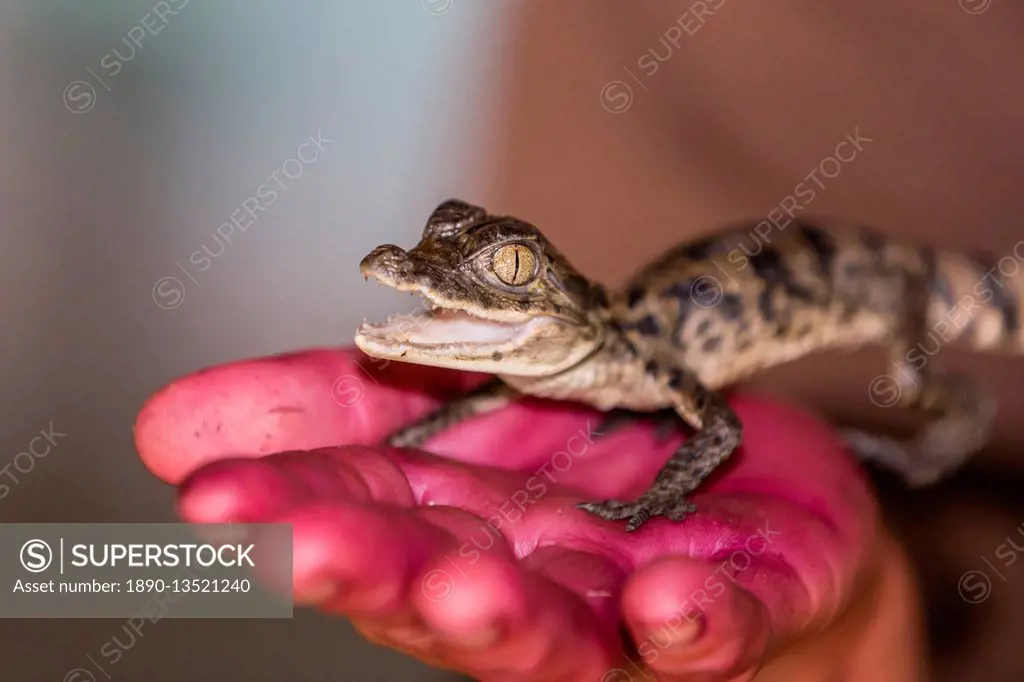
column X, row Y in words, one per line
column 475, row 559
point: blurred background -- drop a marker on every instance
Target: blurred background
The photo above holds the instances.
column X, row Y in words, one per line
column 135, row 132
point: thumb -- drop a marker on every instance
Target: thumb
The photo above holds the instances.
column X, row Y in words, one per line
column 691, row 621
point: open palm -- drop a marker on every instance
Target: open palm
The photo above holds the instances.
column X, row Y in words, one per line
column 475, row 558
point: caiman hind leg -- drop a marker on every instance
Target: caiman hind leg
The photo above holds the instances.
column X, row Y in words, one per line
column 719, row 432
column 959, row 424
column 959, row 414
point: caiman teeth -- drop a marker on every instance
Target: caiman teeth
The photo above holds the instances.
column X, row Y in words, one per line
column 427, row 306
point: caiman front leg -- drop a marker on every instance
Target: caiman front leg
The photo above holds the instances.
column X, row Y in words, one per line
column 492, row 395
column 719, row 432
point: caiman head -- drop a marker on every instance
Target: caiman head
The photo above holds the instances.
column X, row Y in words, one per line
column 498, row 298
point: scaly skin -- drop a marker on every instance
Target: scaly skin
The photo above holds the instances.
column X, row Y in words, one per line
column 707, row 314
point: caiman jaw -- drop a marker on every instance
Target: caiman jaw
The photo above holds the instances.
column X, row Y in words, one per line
column 432, row 329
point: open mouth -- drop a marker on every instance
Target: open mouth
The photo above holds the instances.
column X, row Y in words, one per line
column 431, row 324
column 440, row 326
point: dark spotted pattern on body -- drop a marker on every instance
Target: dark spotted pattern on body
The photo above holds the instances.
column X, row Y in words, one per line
column 717, row 310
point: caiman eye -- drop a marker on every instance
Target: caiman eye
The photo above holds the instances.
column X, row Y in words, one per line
column 514, row 264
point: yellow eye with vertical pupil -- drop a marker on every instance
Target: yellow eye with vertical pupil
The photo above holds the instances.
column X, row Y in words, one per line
column 514, row 264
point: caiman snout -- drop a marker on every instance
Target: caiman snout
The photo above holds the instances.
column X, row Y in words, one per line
column 387, row 261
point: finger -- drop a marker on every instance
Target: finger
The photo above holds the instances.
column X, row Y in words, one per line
column 242, row 490
column 689, row 622
column 359, row 560
column 247, row 490
column 595, row 578
column 499, row 621
column 320, row 398
column 773, row 551
column 350, row 533
column 391, row 571
column 299, row 401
